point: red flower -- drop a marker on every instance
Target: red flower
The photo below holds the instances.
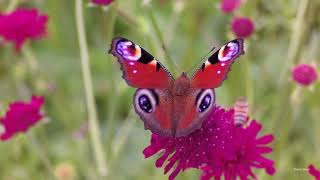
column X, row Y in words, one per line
column 22, row 24
column 197, row 148
column 314, row 172
column 102, row 2
column 21, row 116
column 242, row 27
column 228, row 6
column 304, row 74
column 248, row 153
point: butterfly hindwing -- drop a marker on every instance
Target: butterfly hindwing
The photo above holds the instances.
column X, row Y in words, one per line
column 215, row 69
column 157, row 113
column 140, row 69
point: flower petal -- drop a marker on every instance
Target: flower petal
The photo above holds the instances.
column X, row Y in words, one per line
column 265, row 139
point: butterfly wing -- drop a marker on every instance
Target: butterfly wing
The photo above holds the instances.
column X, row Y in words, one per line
column 215, row 69
column 171, row 115
column 140, row 69
column 154, row 106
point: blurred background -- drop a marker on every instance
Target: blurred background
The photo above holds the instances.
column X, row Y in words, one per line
column 285, row 33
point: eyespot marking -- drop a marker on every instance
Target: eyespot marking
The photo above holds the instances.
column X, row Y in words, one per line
column 205, row 100
column 128, row 50
column 228, row 51
column 145, row 101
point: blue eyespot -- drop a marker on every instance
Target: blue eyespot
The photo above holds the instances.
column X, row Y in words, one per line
column 205, row 103
column 145, row 104
column 128, row 50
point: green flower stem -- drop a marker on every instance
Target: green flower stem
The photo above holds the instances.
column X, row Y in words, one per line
column 31, row 59
column 316, row 130
column 110, row 17
column 91, row 107
column 123, row 134
column 299, row 36
column 304, row 22
column 172, row 24
column 133, row 23
column 171, row 64
column 42, row 153
column 36, row 145
column 249, row 83
column 159, row 37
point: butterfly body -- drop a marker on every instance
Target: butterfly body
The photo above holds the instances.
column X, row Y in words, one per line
column 168, row 106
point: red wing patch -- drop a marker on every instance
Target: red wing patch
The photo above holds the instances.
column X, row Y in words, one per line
column 139, row 68
column 214, row 71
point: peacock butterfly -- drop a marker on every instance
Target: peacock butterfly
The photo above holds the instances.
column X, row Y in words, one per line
column 167, row 106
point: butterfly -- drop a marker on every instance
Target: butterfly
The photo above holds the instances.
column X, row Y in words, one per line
column 167, row 106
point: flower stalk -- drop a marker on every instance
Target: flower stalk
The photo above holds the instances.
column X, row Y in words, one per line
column 171, row 64
column 91, row 107
column 303, row 25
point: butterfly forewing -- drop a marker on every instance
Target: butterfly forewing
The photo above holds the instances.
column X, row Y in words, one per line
column 214, row 70
column 140, row 69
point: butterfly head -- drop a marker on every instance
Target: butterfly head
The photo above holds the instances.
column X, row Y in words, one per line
column 182, row 85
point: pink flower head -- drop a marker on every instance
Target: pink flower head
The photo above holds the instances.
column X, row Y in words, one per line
column 22, row 24
column 314, row 172
column 304, row 74
column 197, row 148
column 242, row 27
column 228, row 6
column 102, row 2
column 248, row 153
column 21, row 116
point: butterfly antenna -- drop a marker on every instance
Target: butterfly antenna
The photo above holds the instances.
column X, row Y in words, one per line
column 203, row 57
column 173, row 63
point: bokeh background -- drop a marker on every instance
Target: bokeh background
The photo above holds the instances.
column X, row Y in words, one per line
column 286, row 33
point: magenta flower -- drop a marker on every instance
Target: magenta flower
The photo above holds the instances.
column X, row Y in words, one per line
column 314, row 172
column 304, row 74
column 219, row 148
column 197, row 148
column 228, row 6
column 102, row 2
column 242, row 27
column 22, row 24
column 248, row 153
column 21, row 116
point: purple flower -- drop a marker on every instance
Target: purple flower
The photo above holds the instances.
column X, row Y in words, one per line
column 196, row 149
column 314, row 172
column 22, row 24
column 242, row 27
column 21, row 116
column 102, row 2
column 248, row 153
column 228, row 6
column 304, row 74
